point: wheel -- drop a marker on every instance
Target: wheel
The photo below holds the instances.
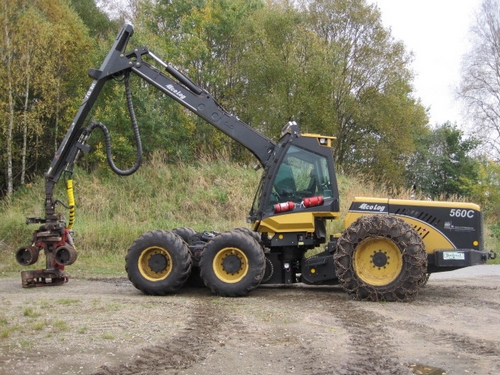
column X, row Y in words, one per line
column 184, row 233
column 232, row 264
column 426, row 279
column 27, row 255
column 269, row 271
column 255, row 235
column 158, row 262
column 194, row 279
column 381, row 258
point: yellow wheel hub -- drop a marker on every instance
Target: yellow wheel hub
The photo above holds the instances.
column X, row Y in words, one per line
column 230, row 265
column 155, row 263
column 378, row 261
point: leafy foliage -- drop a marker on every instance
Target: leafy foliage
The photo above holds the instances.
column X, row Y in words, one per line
column 443, row 165
column 486, row 191
column 97, row 22
column 329, row 65
column 374, row 115
column 42, row 43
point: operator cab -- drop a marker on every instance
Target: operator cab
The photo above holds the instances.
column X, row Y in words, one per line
column 300, row 176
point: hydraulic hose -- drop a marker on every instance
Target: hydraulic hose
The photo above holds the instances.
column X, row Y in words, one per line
column 71, row 203
column 107, row 137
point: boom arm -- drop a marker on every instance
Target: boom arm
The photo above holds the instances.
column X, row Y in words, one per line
column 202, row 104
column 179, row 88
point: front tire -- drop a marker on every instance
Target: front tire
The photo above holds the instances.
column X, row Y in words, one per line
column 158, row 262
column 232, row 264
column 381, row 258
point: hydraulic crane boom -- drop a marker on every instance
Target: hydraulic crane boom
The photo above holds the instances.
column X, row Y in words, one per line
column 179, row 88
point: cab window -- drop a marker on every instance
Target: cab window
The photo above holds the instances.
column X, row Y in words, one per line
column 301, row 174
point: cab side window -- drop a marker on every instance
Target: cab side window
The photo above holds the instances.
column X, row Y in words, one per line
column 301, row 174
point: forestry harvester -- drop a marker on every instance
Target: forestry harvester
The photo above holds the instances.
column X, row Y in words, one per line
column 385, row 253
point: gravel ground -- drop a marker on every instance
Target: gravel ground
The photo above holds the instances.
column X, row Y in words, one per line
column 106, row 326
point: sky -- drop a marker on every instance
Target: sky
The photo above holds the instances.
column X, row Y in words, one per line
column 437, row 33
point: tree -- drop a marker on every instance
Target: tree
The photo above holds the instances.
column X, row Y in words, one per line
column 198, row 37
column 487, row 191
column 372, row 111
column 97, row 22
column 8, row 73
column 282, row 70
column 443, row 165
column 45, row 48
column 328, row 64
column 30, row 48
column 480, row 84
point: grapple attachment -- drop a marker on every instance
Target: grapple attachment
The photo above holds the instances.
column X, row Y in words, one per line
column 55, row 240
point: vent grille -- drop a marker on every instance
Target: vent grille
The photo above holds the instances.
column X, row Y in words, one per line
column 422, row 216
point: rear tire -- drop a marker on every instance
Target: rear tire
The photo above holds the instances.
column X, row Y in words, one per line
column 194, row 279
column 158, row 262
column 232, row 264
column 250, row 232
column 184, row 233
column 381, row 258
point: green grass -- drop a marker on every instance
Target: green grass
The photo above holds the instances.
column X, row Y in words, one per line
column 111, row 211
column 29, row 312
column 39, row 325
column 60, row 325
column 5, row 328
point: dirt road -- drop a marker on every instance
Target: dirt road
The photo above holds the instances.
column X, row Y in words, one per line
column 106, row 326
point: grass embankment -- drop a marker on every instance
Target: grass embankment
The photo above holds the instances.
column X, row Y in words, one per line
column 112, row 211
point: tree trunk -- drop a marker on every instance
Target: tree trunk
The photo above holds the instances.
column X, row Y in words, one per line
column 56, row 120
column 25, row 126
column 10, row 119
